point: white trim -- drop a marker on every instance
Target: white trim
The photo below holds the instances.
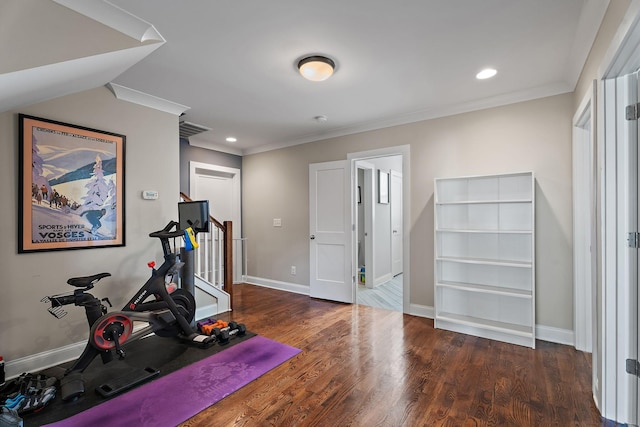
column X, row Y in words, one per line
column 621, row 57
column 555, row 335
column 591, row 17
column 198, row 141
column 276, row 284
column 422, row 115
column 420, row 310
column 584, row 221
column 236, row 203
column 207, row 311
column 114, row 17
column 382, row 279
column 46, row 359
column 136, row 97
column 405, row 151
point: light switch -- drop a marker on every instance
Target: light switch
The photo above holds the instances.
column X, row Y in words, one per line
column 277, row 222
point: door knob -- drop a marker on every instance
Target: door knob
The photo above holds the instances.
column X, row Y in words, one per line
column 312, row 237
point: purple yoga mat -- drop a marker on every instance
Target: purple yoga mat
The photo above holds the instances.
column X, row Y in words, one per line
column 178, row 396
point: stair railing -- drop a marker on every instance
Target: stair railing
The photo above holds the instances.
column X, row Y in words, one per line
column 214, row 259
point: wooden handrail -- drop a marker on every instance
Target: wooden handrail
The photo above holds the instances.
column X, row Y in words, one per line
column 227, row 232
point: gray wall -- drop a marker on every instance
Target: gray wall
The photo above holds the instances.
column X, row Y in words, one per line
column 533, row 136
column 190, row 153
column 26, row 328
column 529, row 136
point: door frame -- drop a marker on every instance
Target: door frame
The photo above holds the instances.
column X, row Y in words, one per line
column 198, row 168
column 615, row 391
column 405, row 152
column 584, row 244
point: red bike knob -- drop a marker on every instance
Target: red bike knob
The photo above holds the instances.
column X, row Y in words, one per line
column 151, row 264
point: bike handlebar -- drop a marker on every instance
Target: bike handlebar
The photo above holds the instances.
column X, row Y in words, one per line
column 165, row 233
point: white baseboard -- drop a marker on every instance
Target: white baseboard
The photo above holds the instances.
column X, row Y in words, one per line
column 275, row 284
column 421, row 310
column 40, row 361
column 544, row 333
column 382, row 279
column 556, row 335
column 206, row 311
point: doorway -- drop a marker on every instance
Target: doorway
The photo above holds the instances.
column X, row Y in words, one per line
column 333, row 235
column 221, row 186
column 378, row 224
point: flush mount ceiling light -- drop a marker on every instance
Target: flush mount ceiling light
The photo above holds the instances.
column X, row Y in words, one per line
column 487, row 73
column 316, row 68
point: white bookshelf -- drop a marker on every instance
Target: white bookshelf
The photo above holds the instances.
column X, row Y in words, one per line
column 485, row 256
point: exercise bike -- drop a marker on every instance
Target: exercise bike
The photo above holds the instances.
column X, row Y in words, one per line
column 169, row 314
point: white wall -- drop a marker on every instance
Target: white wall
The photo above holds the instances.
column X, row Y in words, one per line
column 151, row 163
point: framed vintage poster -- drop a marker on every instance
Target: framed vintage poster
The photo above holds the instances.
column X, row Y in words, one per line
column 71, row 193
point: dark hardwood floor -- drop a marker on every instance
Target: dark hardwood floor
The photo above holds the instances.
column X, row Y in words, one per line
column 364, row 366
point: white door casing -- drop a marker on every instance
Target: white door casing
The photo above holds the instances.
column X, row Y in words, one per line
column 584, row 217
column 332, row 275
column 405, row 152
column 222, row 187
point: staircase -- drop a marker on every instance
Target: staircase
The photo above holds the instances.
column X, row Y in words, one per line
column 213, row 268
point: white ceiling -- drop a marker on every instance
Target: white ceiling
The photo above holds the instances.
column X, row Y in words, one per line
column 232, row 63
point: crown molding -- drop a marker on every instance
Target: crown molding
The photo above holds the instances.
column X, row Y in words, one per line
column 114, row 17
column 135, row 96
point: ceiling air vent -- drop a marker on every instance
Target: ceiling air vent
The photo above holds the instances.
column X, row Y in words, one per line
column 188, row 129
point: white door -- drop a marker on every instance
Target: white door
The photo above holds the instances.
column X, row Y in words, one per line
column 635, row 277
column 330, row 232
column 221, row 186
column 365, row 228
column 396, row 223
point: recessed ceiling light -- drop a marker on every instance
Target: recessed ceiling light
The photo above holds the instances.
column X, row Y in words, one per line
column 231, row 139
column 316, row 68
column 487, row 73
column 320, row 119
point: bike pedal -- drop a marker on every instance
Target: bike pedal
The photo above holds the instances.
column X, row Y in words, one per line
column 57, row 312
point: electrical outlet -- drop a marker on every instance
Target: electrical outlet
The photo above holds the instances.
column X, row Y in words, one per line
column 293, row 270
column 277, row 222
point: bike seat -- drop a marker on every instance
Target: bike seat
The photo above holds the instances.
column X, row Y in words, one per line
column 83, row 282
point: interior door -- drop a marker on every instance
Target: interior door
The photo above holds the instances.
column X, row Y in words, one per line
column 221, row 186
column 330, row 232
column 635, row 277
column 396, row 223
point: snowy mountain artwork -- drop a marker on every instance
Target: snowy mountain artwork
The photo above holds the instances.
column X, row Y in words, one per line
column 72, row 193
